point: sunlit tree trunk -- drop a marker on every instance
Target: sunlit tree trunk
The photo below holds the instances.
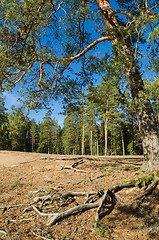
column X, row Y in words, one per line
column 106, row 130
column 146, row 119
column 83, row 132
column 122, row 139
column 91, row 139
column 106, row 136
column 96, row 140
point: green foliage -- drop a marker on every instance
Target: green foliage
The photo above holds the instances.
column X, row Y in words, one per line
column 38, row 42
column 19, row 133
column 49, row 141
column 71, row 134
column 4, row 128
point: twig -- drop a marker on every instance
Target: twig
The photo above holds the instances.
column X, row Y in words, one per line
column 32, row 231
column 5, row 208
column 73, row 168
column 40, row 213
column 3, row 232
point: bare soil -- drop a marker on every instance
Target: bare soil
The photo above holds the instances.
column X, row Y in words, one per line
column 26, row 176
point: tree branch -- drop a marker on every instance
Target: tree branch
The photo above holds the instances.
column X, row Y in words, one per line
column 93, row 44
column 122, row 12
column 30, row 66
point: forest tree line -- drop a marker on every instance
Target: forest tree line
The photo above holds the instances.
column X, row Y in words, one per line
column 101, row 122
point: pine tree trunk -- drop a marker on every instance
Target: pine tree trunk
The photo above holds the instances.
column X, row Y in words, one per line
column 101, row 138
column 96, row 137
column 106, row 136
column 148, row 125
column 91, row 140
column 122, row 139
column 106, row 130
column 83, row 148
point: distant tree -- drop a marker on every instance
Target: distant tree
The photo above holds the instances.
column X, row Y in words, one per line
column 91, row 116
column 70, row 134
column 34, row 134
column 19, row 130
column 45, row 141
column 55, row 136
column 109, row 98
column 4, row 128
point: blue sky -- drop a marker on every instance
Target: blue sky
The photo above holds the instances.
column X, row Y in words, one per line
column 11, row 98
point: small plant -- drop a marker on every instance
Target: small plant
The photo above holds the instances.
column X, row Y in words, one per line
column 102, row 229
column 16, row 184
column 39, row 193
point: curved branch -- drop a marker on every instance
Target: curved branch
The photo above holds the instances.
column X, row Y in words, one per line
column 153, row 7
column 121, row 12
column 30, row 66
column 88, row 48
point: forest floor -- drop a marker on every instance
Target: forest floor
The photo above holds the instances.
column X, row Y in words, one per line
column 27, row 178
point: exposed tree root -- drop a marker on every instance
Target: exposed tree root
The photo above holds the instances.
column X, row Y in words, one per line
column 3, row 232
column 73, row 166
column 103, row 201
column 5, row 208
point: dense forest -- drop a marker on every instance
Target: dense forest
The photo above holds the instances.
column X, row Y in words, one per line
column 101, row 122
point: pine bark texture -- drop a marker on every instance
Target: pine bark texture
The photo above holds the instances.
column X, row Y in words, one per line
column 148, row 125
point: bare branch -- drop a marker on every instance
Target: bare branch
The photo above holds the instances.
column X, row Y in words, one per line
column 59, row 7
column 93, row 44
column 122, row 12
column 30, row 66
column 153, row 7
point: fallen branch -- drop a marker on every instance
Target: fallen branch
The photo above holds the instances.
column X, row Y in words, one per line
column 58, row 217
column 5, row 208
column 73, row 166
column 104, row 201
column 36, row 210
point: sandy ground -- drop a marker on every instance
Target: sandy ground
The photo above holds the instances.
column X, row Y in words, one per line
column 24, row 177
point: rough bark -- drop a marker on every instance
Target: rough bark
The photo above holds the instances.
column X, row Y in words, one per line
column 148, row 125
column 146, row 119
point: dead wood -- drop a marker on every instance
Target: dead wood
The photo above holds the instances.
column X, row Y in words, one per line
column 83, row 207
column 5, row 208
column 73, row 166
column 3, row 232
column 80, row 208
column 56, row 217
